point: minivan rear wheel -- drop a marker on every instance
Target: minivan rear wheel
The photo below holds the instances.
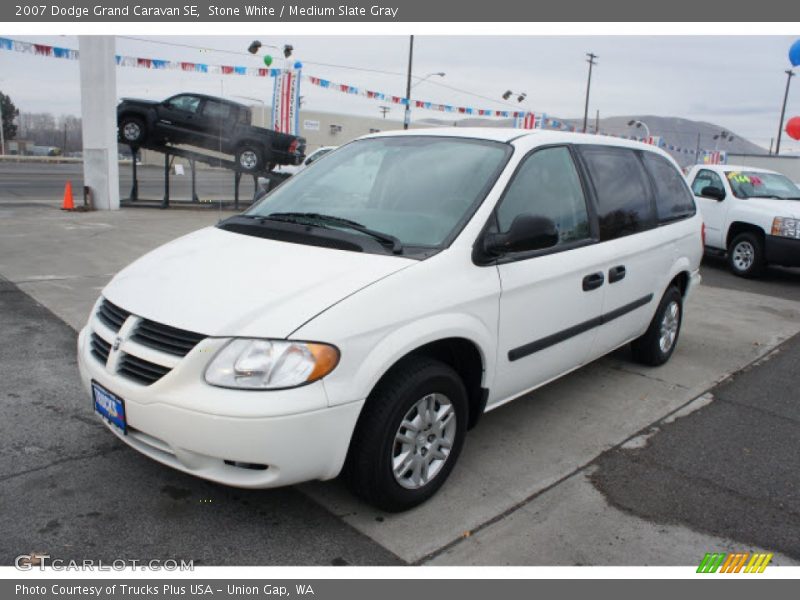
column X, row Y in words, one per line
column 658, row 343
column 409, row 435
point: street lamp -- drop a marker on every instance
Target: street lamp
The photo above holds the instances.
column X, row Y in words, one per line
column 428, row 76
column 639, row 124
column 520, row 95
column 722, row 136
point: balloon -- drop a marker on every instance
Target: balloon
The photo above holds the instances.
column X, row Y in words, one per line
column 793, row 128
column 268, row 60
column 794, row 54
column 298, row 65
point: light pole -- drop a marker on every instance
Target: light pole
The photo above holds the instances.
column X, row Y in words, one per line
column 639, row 124
column 407, row 115
column 428, row 76
column 591, row 60
column 722, row 136
column 789, row 75
column 520, row 95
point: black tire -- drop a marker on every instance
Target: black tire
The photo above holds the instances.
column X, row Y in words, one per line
column 132, row 130
column 368, row 471
column 648, row 349
column 746, row 255
column 249, row 158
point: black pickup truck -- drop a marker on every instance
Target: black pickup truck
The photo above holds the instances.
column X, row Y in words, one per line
column 210, row 123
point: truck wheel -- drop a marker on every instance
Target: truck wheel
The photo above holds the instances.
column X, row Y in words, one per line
column 746, row 255
column 248, row 158
column 409, row 435
column 132, row 130
column 657, row 344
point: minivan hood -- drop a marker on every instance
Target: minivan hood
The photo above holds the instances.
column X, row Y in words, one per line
column 221, row 283
column 776, row 208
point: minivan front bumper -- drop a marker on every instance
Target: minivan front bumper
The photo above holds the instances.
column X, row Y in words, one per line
column 230, row 437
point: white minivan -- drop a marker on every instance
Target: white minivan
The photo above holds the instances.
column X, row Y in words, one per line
column 362, row 316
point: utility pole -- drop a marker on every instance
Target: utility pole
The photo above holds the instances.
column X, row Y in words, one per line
column 384, row 110
column 407, row 118
column 789, row 75
column 771, row 143
column 64, row 146
column 591, row 60
column 697, row 151
column 597, row 122
column 2, row 131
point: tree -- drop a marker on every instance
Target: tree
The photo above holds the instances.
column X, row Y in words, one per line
column 10, row 112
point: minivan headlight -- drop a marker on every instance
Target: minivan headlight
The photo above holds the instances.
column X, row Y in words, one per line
column 786, row 227
column 270, row 364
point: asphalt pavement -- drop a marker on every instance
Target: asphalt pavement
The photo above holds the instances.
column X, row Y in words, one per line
column 70, row 489
column 729, row 468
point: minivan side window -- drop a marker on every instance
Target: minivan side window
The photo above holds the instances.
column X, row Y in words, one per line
column 623, row 192
column 674, row 201
column 547, row 185
column 706, row 178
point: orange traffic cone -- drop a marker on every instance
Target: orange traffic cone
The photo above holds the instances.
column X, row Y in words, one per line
column 68, row 203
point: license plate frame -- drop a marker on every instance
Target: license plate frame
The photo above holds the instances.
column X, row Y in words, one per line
column 110, row 407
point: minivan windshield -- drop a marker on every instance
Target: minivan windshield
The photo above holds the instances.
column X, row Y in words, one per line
column 419, row 190
column 755, row 184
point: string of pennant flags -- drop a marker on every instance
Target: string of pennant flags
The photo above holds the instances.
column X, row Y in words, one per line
column 522, row 119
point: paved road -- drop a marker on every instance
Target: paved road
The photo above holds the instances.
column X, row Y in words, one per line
column 779, row 282
column 39, row 182
column 729, row 469
column 70, row 489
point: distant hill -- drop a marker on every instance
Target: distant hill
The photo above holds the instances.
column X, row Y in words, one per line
column 681, row 133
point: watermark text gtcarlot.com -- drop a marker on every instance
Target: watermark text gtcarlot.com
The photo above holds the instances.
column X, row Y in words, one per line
column 28, row 562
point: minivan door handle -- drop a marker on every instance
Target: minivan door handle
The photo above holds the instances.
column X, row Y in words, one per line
column 616, row 273
column 593, row 281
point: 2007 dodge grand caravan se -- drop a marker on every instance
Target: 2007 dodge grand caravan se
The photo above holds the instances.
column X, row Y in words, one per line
column 363, row 315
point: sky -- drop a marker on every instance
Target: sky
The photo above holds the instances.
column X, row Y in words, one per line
column 736, row 82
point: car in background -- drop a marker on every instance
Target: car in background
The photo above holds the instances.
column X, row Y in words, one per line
column 210, row 123
column 751, row 215
column 310, row 158
column 361, row 317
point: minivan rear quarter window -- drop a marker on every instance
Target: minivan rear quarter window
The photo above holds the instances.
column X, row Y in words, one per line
column 623, row 192
column 673, row 199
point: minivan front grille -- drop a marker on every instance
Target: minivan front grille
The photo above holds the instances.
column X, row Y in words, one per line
column 100, row 348
column 140, row 370
column 165, row 338
column 111, row 315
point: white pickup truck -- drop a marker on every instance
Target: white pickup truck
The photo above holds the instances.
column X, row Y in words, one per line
column 750, row 214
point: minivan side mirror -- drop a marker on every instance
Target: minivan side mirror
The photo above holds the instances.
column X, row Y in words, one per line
column 527, row 232
column 713, row 192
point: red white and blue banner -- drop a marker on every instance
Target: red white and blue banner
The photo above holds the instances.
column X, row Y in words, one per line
column 286, row 96
column 529, row 120
column 713, row 157
column 286, row 102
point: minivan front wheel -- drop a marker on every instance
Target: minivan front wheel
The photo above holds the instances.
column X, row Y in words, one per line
column 658, row 343
column 409, row 435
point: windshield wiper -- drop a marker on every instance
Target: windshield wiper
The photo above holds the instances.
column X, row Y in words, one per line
column 771, row 196
column 294, row 217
